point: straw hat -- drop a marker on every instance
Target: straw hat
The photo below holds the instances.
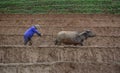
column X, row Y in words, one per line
column 37, row 26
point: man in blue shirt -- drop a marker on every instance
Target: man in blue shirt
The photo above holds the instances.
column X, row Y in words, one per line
column 29, row 34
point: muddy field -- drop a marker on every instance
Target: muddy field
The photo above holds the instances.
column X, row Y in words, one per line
column 65, row 22
column 61, row 19
column 106, row 27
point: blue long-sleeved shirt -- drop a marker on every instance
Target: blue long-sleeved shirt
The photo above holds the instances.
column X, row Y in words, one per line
column 31, row 31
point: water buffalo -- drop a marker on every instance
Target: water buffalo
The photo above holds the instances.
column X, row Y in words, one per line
column 73, row 37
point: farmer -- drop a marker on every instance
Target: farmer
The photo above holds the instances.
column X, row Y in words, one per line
column 29, row 34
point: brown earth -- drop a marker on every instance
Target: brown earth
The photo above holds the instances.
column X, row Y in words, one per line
column 106, row 27
column 60, row 67
column 60, row 20
column 100, row 54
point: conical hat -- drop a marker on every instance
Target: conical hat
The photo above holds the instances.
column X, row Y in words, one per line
column 37, row 26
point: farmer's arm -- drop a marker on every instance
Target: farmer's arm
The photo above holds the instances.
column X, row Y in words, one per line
column 37, row 32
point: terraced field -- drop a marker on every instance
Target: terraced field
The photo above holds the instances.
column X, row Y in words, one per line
column 100, row 54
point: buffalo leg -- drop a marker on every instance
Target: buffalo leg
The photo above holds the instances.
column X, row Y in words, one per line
column 57, row 42
column 81, row 44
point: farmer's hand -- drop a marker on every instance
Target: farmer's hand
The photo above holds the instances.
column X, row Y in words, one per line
column 40, row 35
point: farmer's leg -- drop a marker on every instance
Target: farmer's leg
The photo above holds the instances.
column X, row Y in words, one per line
column 30, row 41
column 26, row 40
